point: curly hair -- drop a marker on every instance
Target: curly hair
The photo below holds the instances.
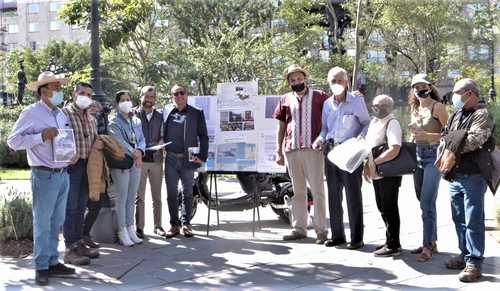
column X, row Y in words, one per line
column 413, row 100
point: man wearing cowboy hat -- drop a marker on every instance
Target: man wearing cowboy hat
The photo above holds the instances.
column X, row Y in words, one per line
column 299, row 115
column 34, row 132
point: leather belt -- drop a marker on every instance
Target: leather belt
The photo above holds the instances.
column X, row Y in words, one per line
column 54, row 170
column 177, row 155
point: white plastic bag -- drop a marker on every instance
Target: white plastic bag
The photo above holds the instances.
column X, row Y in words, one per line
column 349, row 155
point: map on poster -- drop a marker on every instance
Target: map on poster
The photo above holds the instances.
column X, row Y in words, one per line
column 241, row 129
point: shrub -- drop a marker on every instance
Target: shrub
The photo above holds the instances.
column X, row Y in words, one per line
column 16, row 221
column 8, row 157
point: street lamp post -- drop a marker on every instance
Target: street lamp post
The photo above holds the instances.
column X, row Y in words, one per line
column 95, row 74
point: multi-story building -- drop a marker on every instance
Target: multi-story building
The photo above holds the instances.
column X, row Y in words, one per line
column 34, row 23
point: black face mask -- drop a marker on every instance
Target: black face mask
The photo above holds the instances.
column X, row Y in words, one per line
column 379, row 112
column 298, row 87
column 423, row 93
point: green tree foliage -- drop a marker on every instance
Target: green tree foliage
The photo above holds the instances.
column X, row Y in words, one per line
column 119, row 18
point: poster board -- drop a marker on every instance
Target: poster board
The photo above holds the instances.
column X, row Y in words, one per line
column 241, row 129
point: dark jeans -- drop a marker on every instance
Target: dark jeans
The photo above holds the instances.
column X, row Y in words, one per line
column 91, row 216
column 467, row 211
column 77, row 202
column 336, row 180
column 386, row 196
column 176, row 169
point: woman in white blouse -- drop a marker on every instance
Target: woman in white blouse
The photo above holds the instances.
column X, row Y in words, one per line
column 384, row 128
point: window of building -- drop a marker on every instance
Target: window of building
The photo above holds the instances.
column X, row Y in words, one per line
column 55, row 25
column 12, row 28
column 33, row 8
column 11, row 46
column 34, row 27
column 56, row 6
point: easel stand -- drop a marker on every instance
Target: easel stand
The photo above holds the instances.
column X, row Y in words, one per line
column 255, row 194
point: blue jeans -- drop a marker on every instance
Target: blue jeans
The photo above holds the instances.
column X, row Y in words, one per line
column 426, row 180
column 467, row 210
column 50, row 194
column 123, row 190
column 179, row 169
column 77, row 202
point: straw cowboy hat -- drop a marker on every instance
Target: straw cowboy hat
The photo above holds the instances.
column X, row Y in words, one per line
column 294, row 68
column 46, row 78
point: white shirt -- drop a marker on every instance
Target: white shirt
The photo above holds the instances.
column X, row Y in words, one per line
column 376, row 132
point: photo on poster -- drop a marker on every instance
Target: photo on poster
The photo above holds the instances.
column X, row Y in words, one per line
column 238, row 156
column 237, row 120
column 271, row 103
column 236, row 95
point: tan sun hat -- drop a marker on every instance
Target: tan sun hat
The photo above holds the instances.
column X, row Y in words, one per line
column 293, row 69
column 46, row 78
column 420, row 78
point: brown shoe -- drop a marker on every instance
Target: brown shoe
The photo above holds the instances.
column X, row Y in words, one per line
column 173, row 232
column 90, row 243
column 455, row 263
column 72, row 256
column 188, row 232
column 321, row 238
column 83, row 250
column 469, row 274
column 294, row 235
column 425, row 255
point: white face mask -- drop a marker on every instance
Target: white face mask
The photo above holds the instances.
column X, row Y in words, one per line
column 125, row 106
column 83, row 102
column 337, row 89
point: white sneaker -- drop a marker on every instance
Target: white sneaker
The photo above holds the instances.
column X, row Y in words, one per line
column 133, row 235
column 124, row 238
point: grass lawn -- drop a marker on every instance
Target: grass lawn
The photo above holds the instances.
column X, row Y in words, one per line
column 14, row 174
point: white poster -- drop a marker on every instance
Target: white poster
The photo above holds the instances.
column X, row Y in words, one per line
column 266, row 126
column 236, row 133
column 209, row 106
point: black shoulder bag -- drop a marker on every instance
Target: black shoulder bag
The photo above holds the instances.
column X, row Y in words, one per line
column 404, row 164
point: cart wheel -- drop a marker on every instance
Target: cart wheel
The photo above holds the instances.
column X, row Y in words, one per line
column 284, row 213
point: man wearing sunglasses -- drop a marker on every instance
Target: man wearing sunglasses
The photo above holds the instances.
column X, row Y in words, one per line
column 185, row 127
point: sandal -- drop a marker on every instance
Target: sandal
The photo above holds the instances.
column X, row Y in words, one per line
column 425, row 255
column 455, row 263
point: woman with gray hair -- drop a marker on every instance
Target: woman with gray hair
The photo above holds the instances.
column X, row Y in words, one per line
column 384, row 128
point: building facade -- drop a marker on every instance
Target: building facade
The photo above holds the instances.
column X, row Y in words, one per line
column 34, row 23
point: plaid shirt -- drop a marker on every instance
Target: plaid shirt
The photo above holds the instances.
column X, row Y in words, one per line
column 85, row 128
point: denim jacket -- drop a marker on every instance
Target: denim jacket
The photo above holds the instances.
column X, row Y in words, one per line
column 121, row 129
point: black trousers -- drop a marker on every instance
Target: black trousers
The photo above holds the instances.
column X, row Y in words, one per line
column 91, row 216
column 386, row 196
column 336, row 181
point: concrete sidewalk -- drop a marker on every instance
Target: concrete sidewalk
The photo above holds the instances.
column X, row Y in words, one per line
column 230, row 258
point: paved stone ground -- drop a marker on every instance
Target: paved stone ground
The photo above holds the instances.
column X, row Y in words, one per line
column 230, row 258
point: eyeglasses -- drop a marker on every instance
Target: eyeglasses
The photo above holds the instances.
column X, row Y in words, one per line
column 181, row 93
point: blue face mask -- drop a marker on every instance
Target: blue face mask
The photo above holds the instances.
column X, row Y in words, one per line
column 57, row 98
column 457, row 101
